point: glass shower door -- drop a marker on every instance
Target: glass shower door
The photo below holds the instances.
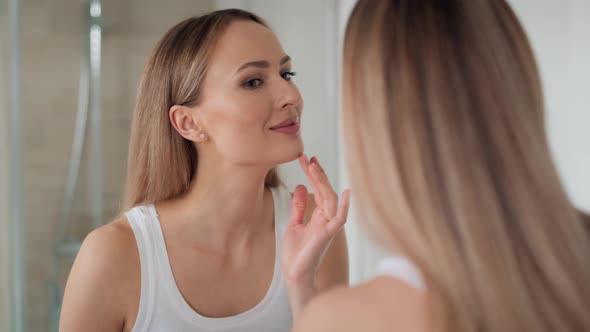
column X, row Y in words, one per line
column 12, row 288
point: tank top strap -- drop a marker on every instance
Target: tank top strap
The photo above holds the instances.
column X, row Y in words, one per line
column 401, row 268
column 141, row 224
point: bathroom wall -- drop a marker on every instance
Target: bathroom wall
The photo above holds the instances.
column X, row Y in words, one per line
column 5, row 270
column 52, row 47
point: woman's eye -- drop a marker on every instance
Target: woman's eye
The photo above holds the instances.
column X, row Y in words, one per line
column 253, row 84
column 288, row 75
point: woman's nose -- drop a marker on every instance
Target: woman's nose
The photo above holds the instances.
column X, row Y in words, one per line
column 288, row 95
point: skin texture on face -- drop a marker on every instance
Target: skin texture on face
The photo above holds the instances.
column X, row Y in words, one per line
column 247, row 91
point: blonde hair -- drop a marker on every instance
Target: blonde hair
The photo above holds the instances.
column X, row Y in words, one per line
column 443, row 111
column 161, row 162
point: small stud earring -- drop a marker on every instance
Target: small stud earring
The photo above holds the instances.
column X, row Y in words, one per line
column 202, row 136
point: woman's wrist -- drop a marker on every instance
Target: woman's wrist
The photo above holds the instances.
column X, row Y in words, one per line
column 300, row 293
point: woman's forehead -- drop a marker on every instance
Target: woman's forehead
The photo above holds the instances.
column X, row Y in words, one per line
column 246, row 41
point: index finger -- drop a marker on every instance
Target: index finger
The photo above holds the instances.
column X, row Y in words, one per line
column 306, row 166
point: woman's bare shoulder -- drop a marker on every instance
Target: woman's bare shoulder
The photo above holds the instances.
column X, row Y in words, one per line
column 114, row 240
column 111, row 250
column 381, row 304
column 104, row 281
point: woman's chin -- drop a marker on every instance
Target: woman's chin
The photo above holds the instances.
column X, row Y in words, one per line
column 291, row 154
column 297, row 151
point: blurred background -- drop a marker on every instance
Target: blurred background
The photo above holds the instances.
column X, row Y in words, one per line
column 69, row 72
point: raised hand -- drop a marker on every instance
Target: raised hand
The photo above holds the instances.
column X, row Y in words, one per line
column 305, row 244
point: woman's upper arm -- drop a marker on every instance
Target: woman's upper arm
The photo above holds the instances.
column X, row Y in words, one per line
column 92, row 299
column 334, row 268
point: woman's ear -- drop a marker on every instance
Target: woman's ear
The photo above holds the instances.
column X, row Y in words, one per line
column 185, row 122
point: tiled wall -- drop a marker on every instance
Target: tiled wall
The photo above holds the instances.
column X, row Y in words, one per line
column 52, row 47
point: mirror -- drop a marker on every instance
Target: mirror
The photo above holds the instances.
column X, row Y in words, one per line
column 69, row 75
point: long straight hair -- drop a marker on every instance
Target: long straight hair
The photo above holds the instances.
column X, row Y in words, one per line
column 161, row 163
column 448, row 153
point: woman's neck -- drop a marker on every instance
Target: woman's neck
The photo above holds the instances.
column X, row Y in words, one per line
column 225, row 209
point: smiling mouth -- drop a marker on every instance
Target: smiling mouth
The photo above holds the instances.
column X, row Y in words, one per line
column 294, row 121
column 290, row 129
column 290, row 126
column 285, row 125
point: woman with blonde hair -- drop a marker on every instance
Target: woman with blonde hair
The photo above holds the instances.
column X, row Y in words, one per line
column 210, row 240
column 449, row 160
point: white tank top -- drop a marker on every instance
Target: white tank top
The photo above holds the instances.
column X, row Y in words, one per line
column 400, row 268
column 162, row 307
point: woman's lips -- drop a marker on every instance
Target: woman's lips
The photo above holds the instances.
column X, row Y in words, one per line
column 291, row 129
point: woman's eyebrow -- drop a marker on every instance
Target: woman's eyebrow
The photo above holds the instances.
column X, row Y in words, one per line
column 262, row 63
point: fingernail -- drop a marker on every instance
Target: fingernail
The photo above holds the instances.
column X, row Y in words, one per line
column 313, row 160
